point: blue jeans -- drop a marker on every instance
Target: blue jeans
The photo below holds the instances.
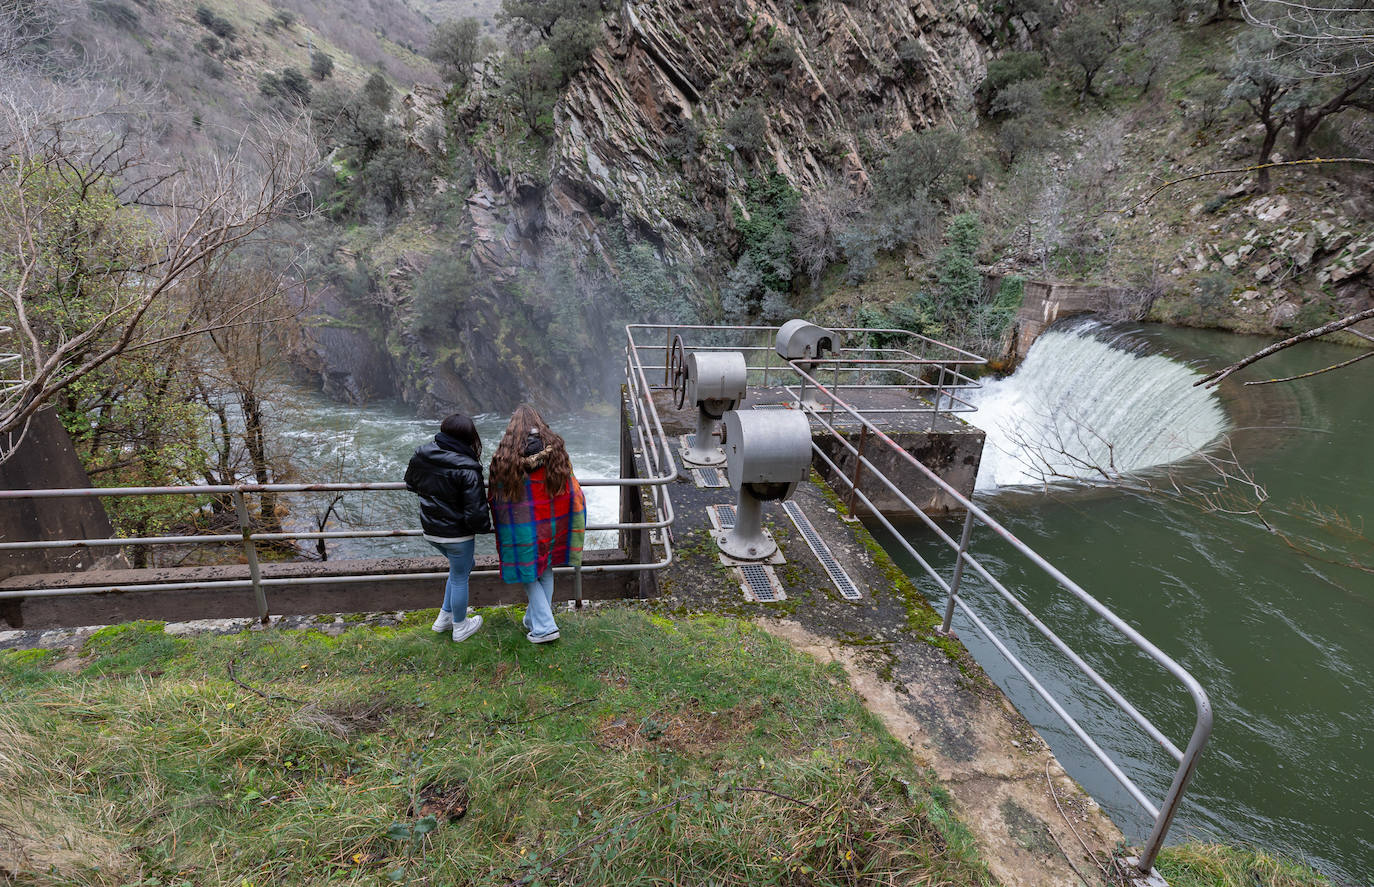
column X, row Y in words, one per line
column 539, row 613
column 460, row 558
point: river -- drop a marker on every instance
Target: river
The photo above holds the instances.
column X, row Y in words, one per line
column 1274, row 624
column 333, row 442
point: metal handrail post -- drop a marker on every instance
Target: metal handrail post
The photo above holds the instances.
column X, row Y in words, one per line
column 939, row 395
column 958, row 572
column 837, row 388
column 667, row 356
column 1202, row 731
column 858, row 467
column 250, row 552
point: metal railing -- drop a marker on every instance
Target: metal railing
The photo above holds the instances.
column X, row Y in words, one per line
column 863, row 369
column 1161, row 813
column 653, row 446
column 904, row 362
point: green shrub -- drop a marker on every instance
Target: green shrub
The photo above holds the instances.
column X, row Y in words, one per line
column 747, row 129
column 220, row 27
column 932, row 162
column 1014, row 67
column 321, row 65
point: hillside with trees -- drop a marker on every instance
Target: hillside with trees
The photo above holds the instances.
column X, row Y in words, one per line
column 462, row 207
column 855, row 162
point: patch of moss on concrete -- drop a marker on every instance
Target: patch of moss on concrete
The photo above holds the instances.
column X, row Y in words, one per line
column 922, row 619
column 1027, row 829
column 35, row 658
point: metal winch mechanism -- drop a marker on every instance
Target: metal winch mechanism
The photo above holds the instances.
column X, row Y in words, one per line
column 768, row 454
column 803, row 341
column 717, row 382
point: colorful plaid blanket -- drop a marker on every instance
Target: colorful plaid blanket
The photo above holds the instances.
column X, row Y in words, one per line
column 539, row 531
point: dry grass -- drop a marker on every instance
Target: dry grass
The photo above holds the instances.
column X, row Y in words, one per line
column 637, row 750
column 44, row 825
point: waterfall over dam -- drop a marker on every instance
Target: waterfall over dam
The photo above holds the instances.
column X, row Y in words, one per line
column 1090, row 403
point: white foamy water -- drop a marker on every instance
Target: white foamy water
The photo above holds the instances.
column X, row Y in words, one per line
column 334, row 442
column 1082, row 406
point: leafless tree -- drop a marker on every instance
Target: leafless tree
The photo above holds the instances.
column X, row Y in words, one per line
column 244, row 360
column 95, row 239
column 1324, row 37
column 820, row 221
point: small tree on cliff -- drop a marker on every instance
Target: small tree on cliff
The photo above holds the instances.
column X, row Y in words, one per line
column 455, row 49
column 1085, row 43
column 1271, row 81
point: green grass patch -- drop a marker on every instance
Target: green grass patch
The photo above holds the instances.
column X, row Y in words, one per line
column 639, row 749
column 1219, row 865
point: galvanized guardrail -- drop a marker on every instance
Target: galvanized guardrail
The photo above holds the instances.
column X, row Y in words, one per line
column 921, row 365
column 653, row 445
column 1162, row 813
column 850, row 369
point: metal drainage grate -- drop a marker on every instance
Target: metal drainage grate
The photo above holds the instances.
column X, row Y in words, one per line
column 760, row 584
column 689, row 440
column 848, row 590
column 709, row 477
column 722, row 516
column 772, row 406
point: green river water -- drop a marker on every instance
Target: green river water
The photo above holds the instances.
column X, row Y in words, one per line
column 1277, row 626
column 1280, row 633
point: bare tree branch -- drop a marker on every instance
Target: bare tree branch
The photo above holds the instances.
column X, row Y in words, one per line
column 1312, row 161
column 1334, row 366
column 1213, row 379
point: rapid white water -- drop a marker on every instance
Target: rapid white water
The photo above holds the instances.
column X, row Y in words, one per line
column 329, row 441
column 1085, row 405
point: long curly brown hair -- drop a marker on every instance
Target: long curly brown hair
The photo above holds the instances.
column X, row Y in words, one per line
column 510, row 466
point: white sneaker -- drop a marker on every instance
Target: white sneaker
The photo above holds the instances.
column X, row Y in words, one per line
column 467, row 628
column 444, row 622
column 542, row 638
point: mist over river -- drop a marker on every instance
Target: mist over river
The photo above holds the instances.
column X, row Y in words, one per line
column 1277, row 625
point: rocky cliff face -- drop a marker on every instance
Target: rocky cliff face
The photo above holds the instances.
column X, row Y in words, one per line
column 826, row 76
column 640, row 153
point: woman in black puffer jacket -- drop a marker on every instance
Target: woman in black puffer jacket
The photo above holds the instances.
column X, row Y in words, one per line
column 447, row 475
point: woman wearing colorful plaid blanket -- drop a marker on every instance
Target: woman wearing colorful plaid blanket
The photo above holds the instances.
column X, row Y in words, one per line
column 539, row 513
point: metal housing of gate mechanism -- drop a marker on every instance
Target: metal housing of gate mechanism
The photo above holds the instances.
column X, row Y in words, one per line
column 769, row 454
column 803, row 341
column 716, row 381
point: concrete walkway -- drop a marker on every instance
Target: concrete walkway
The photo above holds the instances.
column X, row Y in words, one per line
column 1034, row 825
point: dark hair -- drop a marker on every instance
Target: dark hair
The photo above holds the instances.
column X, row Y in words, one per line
column 461, row 428
column 508, row 462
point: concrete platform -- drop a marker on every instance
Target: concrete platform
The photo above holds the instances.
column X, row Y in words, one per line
column 338, row 596
column 1027, row 814
column 944, row 443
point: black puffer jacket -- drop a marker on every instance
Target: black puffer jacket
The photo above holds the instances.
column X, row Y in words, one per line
column 448, row 479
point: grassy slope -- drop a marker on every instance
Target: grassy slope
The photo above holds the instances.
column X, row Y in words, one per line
column 637, row 750
column 613, row 757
